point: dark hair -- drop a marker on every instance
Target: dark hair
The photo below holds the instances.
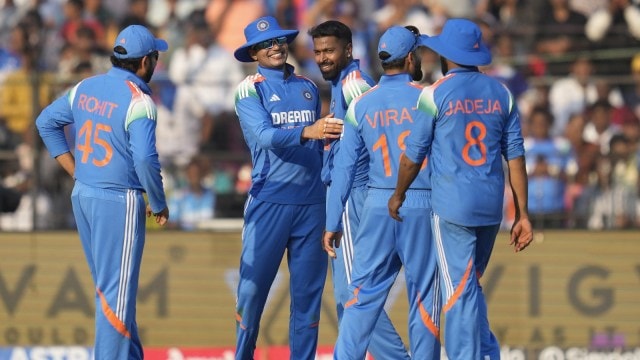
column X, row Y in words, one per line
column 332, row 28
column 394, row 64
column 131, row 65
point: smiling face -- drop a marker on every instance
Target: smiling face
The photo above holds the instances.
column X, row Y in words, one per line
column 331, row 55
column 274, row 57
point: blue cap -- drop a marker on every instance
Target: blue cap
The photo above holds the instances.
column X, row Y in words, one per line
column 461, row 42
column 262, row 29
column 138, row 41
column 398, row 42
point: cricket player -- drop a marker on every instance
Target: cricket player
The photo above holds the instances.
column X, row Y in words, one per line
column 333, row 48
column 278, row 112
column 379, row 121
column 476, row 125
column 114, row 163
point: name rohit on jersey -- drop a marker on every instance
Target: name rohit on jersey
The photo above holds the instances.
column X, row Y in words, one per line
column 294, row 116
column 95, row 105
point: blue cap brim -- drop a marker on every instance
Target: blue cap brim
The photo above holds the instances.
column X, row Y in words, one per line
column 479, row 57
column 242, row 53
column 161, row 45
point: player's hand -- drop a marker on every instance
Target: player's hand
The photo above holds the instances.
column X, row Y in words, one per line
column 394, row 204
column 326, row 128
column 331, row 241
column 521, row 234
column 161, row 218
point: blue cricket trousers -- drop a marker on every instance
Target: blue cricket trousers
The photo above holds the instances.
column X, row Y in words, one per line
column 385, row 341
column 270, row 229
column 463, row 255
column 111, row 225
column 386, row 246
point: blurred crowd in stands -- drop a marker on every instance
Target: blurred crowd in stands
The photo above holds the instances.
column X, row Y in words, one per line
column 573, row 66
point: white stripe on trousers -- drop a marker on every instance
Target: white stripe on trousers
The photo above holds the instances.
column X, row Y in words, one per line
column 347, row 243
column 442, row 259
column 130, row 224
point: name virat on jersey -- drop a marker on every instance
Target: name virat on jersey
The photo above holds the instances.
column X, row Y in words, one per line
column 389, row 117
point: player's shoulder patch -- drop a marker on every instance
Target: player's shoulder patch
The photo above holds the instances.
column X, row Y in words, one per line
column 71, row 95
column 247, row 87
column 354, row 85
column 350, row 115
column 426, row 100
column 509, row 95
column 141, row 105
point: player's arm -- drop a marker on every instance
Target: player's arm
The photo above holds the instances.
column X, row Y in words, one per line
column 142, row 142
column 513, row 152
column 342, row 176
column 418, row 144
column 255, row 120
column 50, row 124
column 67, row 162
column 407, row 173
column 521, row 231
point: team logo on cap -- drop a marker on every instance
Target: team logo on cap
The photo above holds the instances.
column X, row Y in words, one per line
column 123, row 41
column 262, row 25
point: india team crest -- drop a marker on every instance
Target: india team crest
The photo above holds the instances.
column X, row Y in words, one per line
column 307, row 95
column 262, row 25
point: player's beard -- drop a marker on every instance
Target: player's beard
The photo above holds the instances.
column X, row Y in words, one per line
column 417, row 74
column 148, row 71
column 335, row 70
column 444, row 67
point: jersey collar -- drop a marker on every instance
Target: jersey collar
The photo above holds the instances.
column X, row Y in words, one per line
column 128, row 75
column 396, row 78
column 276, row 74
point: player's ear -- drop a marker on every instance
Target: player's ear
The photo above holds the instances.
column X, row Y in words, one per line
column 253, row 54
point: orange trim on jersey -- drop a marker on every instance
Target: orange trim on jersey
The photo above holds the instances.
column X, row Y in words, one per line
column 460, row 288
column 358, row 75
column 415, row 85
column 239, row 320
column 441, row 80
column 133, row 88
column 258, row 78
column 111, row 316
column 355, row 298
column 427, row 320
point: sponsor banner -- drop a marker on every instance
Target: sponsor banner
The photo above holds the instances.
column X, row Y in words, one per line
column 569, row 289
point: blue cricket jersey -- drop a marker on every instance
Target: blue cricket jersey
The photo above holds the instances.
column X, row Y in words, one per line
column 350, row 84
column 273, row 111
column 114, row 120
column 476, row 124
column 377, row 122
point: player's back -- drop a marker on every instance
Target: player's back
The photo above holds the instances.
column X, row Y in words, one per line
column 104, row 107
column 476, row 122
column 385, row 116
